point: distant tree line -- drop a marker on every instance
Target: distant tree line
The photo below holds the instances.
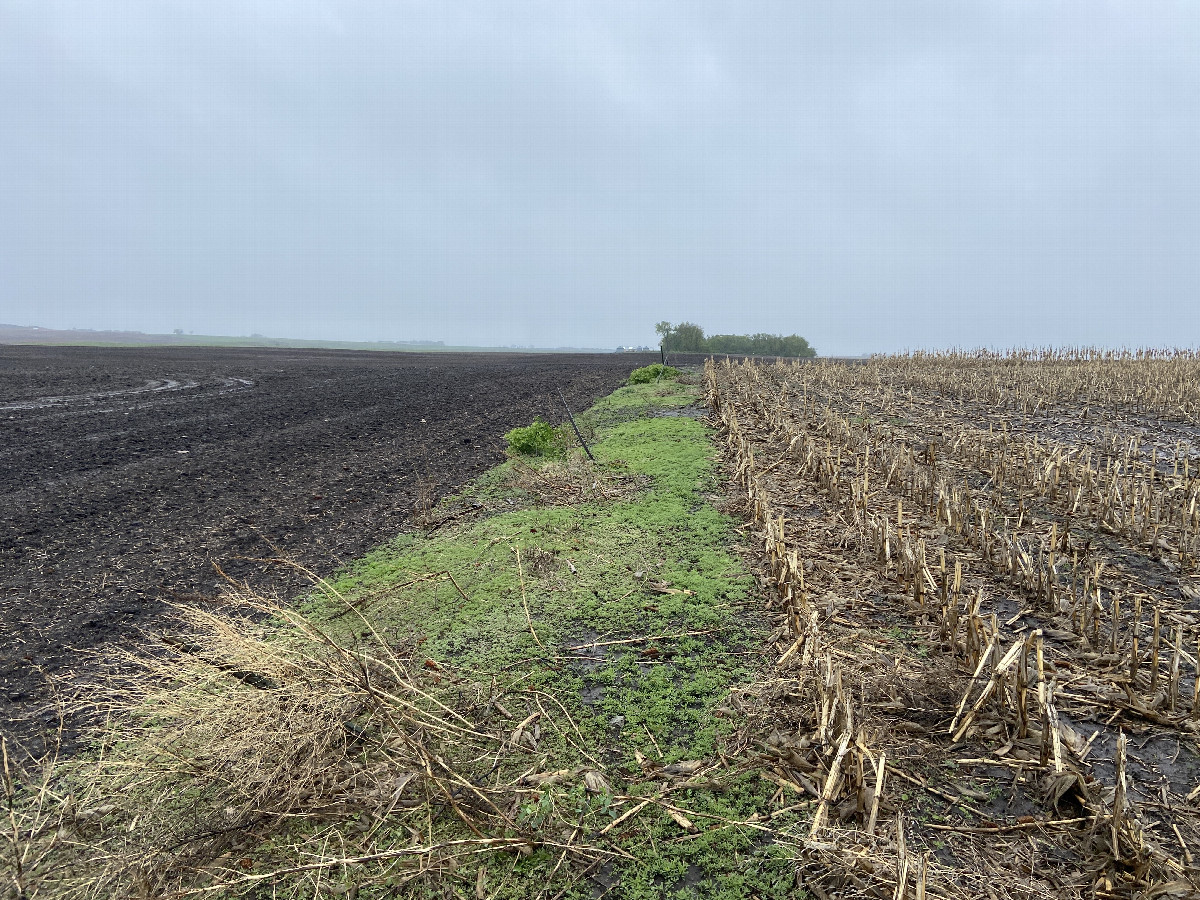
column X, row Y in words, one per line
column 688, row 337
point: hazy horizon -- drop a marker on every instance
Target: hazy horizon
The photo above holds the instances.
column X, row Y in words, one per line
column 182, row 336
column 873, row 176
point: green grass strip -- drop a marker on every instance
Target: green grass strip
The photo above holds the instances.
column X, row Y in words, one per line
column 594, row 575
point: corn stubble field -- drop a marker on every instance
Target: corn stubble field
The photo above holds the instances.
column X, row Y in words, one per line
column 985, row 571
column 969, row 669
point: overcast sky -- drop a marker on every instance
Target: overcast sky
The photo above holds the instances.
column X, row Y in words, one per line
column 873, row 176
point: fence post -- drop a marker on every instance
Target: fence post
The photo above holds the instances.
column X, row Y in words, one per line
column 576, row 427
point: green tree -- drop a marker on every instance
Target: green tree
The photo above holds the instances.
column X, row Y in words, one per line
column 688, row 337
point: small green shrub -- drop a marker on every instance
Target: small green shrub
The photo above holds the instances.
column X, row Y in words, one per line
column 647, row 374
column 539, row 439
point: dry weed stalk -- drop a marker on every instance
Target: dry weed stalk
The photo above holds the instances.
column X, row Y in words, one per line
column 425, row 501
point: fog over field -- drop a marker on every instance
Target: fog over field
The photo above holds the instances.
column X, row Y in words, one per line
column 874, row 176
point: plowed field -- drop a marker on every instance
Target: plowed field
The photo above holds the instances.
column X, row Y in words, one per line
column 128, row 475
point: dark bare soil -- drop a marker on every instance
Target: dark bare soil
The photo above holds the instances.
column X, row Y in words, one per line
column 126, row 474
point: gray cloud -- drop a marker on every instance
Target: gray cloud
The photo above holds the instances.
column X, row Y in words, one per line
column 871, row 175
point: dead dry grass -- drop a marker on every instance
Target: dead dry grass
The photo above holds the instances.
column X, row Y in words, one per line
column 241, row 754
column 570, row 481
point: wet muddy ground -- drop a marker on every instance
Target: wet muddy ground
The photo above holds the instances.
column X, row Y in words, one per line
column 128, row 475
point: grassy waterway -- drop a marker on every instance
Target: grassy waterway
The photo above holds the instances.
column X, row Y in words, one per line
column 600, row 577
